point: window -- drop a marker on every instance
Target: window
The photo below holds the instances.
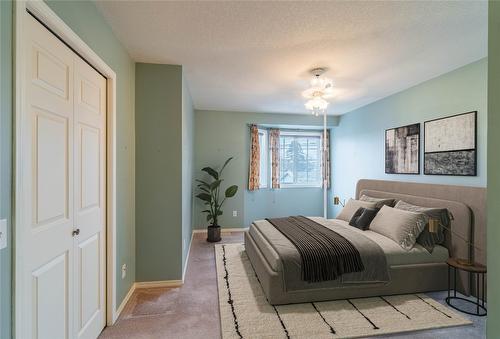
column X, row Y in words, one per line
column 264, row 158
column 300, row 159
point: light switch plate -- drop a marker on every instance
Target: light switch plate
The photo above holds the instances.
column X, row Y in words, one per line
column 3, row 233
column 235, row 213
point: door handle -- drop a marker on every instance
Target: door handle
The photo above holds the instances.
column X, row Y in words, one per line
column 76, row 232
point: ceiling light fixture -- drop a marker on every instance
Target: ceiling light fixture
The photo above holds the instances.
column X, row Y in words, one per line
column 320, row 90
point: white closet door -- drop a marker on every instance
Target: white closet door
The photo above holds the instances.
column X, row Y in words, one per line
column 90, row 211
column 63, row 168
column 47, row 176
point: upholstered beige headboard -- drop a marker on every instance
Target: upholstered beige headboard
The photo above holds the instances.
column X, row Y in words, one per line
column 467, row 204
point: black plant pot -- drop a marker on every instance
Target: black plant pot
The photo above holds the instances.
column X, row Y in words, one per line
column 213, row 233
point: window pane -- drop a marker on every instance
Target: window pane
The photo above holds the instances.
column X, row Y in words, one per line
column 287, row 160
column 300, row 159
column 301, row 163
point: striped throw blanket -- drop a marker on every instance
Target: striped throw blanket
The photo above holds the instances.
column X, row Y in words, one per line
column 325, row 254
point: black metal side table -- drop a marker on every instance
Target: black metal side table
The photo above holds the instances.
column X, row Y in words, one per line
column 477, row 269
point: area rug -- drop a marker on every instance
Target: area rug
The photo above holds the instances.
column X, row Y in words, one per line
column 245, row 312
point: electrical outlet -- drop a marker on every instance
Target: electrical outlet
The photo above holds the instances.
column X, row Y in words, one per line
column 235, row 213
column 124, row 271
column 3, row 233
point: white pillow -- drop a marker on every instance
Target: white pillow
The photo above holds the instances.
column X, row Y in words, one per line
column 403, row 227
column 352, row 206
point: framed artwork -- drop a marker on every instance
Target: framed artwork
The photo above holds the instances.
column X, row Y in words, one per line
column 402, row 150
column 450, row 145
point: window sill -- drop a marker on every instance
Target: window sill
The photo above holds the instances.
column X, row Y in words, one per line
column 301, row 186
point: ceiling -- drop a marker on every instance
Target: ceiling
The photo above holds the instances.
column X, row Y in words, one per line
column 254, row 56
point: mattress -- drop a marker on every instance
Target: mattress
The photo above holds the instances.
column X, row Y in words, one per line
column 395, row 255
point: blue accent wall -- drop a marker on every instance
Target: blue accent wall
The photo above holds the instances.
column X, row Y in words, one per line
column 358, row 142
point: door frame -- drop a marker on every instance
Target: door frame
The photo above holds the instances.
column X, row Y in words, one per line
column 50, row 19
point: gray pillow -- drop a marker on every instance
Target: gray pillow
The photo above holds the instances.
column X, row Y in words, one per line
column 403, row 227
column 427, row 239
column 351, row 207
column 363, row 217
column 379, row 201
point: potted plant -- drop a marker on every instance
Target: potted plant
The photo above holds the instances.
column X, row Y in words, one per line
column 210, row 195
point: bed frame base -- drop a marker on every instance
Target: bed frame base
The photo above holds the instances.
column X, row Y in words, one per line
column 405, row 279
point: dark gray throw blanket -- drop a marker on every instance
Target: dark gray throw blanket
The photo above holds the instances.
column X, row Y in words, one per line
column 325, row 254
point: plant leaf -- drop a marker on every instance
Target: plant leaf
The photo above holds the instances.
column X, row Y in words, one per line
column 215, row 184
column 231, row 191
column 205, row 197
column 224, row 166
column 211, row 171
column 203, row 189
column 205, row 211
column 209, row 216
column 203, row 183
column 219, row 212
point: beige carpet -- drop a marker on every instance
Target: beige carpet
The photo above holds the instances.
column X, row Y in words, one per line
column 245, row 312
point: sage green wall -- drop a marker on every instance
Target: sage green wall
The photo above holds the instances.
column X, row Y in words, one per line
column 86, row 21
column 5, row 162
column 493, row 325
column 163, row 174
column 187, row 169
column 358, row 141
column 219, row 135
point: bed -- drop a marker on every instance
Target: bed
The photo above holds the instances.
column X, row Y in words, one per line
column 411, row 271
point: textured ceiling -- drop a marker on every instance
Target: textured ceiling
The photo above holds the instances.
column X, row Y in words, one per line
column 254, row 56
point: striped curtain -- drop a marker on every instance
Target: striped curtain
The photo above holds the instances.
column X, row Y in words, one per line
column 326, row 160
column 254, row 171
column 274, row 141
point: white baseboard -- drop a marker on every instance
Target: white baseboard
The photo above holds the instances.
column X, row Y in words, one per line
column 144, row 284
column 153, row 284
column 161, row 283
column 166, row 283
column 223, row 230
column 124, row 302
column 227, row 230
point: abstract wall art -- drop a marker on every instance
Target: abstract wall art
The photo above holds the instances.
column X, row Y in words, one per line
column 402, row 150
column 450, row 145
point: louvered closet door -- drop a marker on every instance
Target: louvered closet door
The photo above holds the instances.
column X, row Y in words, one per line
column 63, row 183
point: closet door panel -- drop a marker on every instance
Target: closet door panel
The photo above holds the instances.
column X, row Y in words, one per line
column 46, row 224
column 90, row 199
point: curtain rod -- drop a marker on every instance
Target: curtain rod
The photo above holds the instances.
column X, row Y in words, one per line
column 305, row 128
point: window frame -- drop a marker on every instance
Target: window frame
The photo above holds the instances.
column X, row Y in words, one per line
column 305, row 133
